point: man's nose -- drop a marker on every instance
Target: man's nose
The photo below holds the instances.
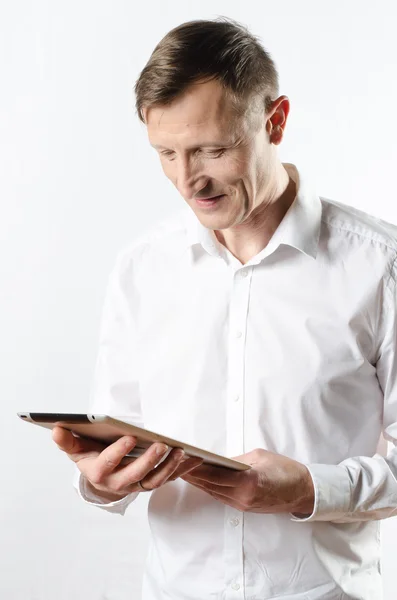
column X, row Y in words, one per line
column 189, row 179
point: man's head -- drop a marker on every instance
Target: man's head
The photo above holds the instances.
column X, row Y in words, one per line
column 209, row 98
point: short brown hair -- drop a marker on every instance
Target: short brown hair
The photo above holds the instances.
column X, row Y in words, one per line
column 203, row 50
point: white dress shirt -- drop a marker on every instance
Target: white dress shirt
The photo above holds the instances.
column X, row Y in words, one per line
column 293, row 352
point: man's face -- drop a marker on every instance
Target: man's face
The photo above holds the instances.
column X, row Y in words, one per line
column 207, row 150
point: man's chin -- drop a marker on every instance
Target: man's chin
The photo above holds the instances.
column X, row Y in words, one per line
column 215, row 222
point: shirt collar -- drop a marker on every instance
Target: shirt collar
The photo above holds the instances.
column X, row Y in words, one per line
column 300, row 227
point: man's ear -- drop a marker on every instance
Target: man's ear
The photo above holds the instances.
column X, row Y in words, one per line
column 277, row 119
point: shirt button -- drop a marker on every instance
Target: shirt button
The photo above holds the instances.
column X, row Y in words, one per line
column 243, row 273
column 238, row 334
column 235, row 586
column 237, row 398
column 234, row 522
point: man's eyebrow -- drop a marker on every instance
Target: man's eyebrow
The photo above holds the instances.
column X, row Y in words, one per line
column 202, row 145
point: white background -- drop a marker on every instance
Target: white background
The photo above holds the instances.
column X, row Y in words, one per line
column 78, row 180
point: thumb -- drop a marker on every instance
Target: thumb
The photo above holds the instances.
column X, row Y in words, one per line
column 75, row 447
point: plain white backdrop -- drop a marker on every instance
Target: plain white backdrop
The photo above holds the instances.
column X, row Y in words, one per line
column 78, row 181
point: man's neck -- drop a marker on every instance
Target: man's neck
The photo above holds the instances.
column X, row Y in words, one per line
column 249, row 239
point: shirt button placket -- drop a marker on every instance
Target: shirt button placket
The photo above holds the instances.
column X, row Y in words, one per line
column 234, row 519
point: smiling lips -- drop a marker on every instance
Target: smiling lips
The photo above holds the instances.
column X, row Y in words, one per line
column 210, row 197
column 209, row 201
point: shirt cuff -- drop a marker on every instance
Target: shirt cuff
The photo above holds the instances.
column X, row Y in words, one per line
column 89, row 497
column 332, row 493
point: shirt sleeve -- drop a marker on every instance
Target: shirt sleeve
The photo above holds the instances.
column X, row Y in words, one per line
column 115, row 386
column 364, row 488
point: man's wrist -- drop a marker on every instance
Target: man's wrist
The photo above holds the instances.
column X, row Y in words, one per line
column 305, row 506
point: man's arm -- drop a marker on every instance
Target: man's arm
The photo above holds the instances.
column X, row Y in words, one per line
column 363, row 488
column 98, row 478
column 115, row 385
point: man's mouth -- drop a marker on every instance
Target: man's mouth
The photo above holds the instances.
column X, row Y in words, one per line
column 207, row 202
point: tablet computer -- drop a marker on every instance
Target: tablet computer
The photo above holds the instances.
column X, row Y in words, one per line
column 107, row 429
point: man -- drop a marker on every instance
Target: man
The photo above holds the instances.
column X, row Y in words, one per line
column 258, row 323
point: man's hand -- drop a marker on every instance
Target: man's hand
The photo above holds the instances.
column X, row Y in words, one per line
column 274, row 484
column 113, row 479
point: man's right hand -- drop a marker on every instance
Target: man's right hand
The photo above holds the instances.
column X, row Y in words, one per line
column 101, row 465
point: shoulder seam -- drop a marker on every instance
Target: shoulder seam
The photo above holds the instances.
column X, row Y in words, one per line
column 340, row 227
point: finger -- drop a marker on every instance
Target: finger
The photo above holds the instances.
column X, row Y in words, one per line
column 219, row 475
column 160, row 475
column 109, row 459
column 136, row 470
column 186, row 467
column 164, row 473
column 228, row 491
column 220, row 497
column 75, row 447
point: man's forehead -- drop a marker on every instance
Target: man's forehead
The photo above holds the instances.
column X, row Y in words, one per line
column 190, row 136
column 176, row 122
column 206, row 132
column 164, row 121
column 201, row 105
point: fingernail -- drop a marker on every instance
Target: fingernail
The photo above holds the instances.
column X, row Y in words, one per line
column 179, row 454
column 161, row 449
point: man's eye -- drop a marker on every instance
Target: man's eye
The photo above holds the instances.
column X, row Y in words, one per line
column 211, row 153
column 167, row 153
column 215, row 153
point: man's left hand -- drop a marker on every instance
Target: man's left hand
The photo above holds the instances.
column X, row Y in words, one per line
column 274, row 484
